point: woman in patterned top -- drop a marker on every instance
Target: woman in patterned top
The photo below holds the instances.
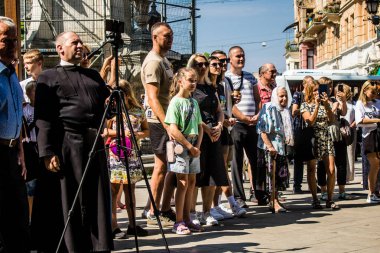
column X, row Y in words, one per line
column 317, row 113
column 275, row 133
column 118, row 171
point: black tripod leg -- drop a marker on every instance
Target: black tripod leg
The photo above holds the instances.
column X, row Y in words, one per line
column 138, row 152
column 91, row 155
column 120, row 133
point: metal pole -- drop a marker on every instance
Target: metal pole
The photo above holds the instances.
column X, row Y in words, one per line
column 193, row 28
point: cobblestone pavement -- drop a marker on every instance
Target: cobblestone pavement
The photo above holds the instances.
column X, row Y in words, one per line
column 354, row 228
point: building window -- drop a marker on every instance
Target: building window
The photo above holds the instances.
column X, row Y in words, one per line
column 310, row 58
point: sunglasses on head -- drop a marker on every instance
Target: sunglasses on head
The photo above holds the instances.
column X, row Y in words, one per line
column 202, row 64
column 215, row 65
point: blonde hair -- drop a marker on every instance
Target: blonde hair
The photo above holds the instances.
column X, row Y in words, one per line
column 34, row 54
column 325, row 80
column 191, row 63
column 362, row 96
column 181, row 73
column 309, row 90
column 346, row 89
column 129, row 95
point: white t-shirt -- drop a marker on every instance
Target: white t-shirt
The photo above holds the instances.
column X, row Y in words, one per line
column 23, row 85
column 370, row 110
column 350, row 115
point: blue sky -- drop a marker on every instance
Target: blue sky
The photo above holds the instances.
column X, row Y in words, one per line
column 247, row 23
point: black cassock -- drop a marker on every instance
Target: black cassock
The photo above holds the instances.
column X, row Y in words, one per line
column 69, row 107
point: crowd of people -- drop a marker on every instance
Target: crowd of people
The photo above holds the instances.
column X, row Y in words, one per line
column 201, row 119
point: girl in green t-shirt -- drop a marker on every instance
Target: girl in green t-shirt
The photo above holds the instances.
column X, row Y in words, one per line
column 184, row 120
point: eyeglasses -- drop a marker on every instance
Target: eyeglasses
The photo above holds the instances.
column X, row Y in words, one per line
column 239, row 56
column 216, row 65
column 202, row 64
column 224, row 61
column 274, row 71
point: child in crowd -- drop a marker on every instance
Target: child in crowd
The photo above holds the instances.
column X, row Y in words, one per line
column 30, row 143
column 183, row 116
column 118, row 171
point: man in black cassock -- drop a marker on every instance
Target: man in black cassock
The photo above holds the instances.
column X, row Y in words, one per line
column 69, row 107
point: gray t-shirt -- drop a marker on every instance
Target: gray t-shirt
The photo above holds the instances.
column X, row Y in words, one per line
column 156, row 70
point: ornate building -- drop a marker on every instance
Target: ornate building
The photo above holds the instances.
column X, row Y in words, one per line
column 334, row 34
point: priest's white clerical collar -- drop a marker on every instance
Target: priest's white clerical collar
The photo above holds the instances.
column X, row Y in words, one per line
column 65, row 63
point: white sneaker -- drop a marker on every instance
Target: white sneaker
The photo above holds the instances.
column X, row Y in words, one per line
column 238, row 211
column 217, row 216
column 194, row 218
column 225, row 208
column 201, row 218
column 209, row 219
column 373, row 199
column 226, row 215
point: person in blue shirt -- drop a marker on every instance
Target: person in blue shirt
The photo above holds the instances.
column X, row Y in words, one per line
column 14, row 216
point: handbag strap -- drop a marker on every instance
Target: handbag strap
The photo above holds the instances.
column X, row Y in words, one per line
column 187, row 120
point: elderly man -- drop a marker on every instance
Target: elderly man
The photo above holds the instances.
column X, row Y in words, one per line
column 69, row 107
column 156, row 76
column 267, row 82
column 13, row 200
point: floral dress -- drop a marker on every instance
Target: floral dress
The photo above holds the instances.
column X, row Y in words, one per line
column 270, row 122
column 117, row 168
column 323, row 144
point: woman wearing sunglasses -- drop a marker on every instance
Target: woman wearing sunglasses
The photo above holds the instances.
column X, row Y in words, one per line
column 367, row 116
column 211, row 150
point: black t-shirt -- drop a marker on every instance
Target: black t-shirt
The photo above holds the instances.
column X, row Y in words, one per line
column 208, row 102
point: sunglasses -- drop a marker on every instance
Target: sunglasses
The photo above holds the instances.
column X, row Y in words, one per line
column 224, row 61
column 202, row 64
column 216, row 65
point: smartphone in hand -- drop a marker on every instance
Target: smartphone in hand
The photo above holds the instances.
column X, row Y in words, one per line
column 322, row 88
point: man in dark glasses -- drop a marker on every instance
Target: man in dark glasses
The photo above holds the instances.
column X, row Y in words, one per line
column 267, row 82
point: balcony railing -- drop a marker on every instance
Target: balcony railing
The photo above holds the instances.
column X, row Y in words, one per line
column 315, row 27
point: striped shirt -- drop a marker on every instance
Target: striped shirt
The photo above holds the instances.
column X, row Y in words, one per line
column 247, row 102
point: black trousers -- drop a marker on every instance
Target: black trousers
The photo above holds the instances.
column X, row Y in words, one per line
column 340, row 149
column 244, row 138
column 14, row 217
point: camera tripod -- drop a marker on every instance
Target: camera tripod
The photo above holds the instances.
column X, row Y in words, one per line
column 116, row 106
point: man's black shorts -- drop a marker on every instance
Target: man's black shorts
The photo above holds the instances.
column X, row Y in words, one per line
column 158, row 138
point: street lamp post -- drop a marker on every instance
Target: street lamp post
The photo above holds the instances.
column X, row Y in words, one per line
column 372, row 6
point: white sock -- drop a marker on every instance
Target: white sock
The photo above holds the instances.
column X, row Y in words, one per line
column 231, row 201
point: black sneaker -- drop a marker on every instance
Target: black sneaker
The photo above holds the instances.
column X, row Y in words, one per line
column 169, row 214
column 241, row 203
column 297, row 191
column 118, row 234
column 139, row 230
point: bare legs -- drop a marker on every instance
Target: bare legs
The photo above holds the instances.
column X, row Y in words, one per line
column 157, row 183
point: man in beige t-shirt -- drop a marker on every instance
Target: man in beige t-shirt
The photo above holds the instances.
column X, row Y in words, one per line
column 156, row 76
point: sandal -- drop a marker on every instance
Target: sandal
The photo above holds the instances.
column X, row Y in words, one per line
column 194, row 227
column 316, row 205
column 181, row 229
column 331, row 204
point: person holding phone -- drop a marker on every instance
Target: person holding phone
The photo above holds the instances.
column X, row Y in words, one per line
column 316, row 112
column 339, row 109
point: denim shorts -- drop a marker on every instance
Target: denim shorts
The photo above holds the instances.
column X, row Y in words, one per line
column 31, row 187
column 184, row 163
